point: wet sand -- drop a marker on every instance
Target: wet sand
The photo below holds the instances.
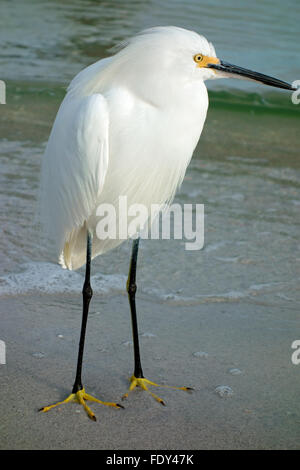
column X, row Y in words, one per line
column 41, row 335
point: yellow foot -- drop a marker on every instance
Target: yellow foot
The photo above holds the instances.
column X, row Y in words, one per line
column 144, row 383
column 81, row 397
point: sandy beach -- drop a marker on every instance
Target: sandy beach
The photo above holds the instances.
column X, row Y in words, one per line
column 41, row 342
column 222, row 319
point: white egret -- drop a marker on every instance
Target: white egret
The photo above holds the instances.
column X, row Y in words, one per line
column 128, row 125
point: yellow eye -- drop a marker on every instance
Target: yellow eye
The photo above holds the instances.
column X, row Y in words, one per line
column 198, row 57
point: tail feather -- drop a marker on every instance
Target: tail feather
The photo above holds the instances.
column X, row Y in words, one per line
column 73, row 255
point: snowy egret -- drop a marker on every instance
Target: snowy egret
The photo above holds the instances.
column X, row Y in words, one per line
column 128, row 125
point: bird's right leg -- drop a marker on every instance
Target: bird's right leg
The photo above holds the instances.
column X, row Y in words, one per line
column 138, row 379
column 78, row 393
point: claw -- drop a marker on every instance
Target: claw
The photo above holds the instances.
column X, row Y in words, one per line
column 81, row 397
column 145, row 383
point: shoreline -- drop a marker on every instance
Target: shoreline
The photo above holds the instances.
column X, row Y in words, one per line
column 41, row 335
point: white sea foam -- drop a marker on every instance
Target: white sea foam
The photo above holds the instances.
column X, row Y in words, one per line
column 49, row 278
column 52, row 279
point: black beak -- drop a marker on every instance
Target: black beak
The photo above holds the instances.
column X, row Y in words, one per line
column 233, row 70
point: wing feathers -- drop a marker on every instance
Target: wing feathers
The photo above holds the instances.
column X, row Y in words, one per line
column 74, row 166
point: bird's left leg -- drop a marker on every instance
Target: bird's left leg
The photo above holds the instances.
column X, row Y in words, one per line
column 138, row 379
column 78, row 393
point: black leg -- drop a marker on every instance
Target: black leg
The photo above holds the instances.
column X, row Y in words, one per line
column 131, row 289
column 78, row 392
column 87, row 294
column 138, row 379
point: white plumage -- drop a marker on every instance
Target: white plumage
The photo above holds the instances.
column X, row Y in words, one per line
column 127, row 126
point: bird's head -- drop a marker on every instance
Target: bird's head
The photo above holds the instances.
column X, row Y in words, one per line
column 181, row 50
column 160, row 61
column 210, row 66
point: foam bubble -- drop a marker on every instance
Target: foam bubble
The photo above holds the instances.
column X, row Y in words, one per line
column 201, row 354
column 224, row 391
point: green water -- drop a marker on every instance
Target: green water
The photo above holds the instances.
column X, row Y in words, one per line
column 45, row 43
column 54, row 39
column 245, row 168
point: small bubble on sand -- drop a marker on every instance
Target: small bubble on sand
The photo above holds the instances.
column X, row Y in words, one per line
column 38, row 355
column 235, row 371
column 148, row 335
column 201, row 354
column 60, row 336
column 224, row 391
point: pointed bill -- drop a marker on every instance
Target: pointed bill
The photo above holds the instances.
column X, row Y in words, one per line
column 234, row 71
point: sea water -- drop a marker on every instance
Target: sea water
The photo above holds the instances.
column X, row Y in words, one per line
column 245, row 169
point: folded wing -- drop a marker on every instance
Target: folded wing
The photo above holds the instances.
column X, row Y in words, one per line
column 74, row 166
